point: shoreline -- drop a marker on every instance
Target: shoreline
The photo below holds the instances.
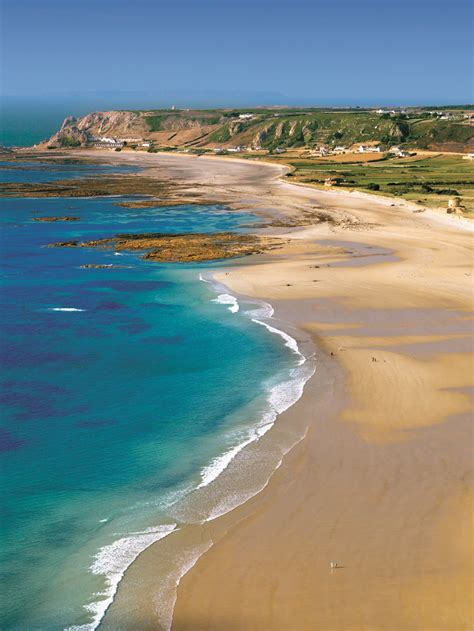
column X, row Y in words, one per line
column 384, row 563
column 443, row 608
column 224, row 490
column 359, row 487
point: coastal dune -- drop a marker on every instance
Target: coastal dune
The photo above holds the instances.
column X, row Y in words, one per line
column 381, row 484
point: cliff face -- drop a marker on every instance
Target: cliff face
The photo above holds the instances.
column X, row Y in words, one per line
column 82, row 131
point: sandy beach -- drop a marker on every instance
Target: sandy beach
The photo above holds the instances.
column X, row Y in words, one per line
column 381, row 484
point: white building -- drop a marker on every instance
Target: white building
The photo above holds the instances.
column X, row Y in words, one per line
column 400, row 153
column 369, row 149
column 320, row 151
column 107, row 143
column 245, row 117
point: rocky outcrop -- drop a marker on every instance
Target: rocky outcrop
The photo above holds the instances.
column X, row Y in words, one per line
column 174, row 248
column 64, row 244
column 83, row 131
column 104, row 266
column 56, row 219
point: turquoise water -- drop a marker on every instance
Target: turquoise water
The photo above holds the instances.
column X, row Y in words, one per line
column 25, row 122
column 121, row 389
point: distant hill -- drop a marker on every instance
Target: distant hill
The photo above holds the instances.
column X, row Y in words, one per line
column 270, row 129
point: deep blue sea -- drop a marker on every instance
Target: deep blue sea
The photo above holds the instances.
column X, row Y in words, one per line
column 122, row 389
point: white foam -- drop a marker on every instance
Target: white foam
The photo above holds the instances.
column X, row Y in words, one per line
column 219, row 464
column 204, row 280
column 237, row 499
column 65, row 309
column 265, row 310
column 111, row 562
column 279, row 397
column 290, row 342
column 228, row 299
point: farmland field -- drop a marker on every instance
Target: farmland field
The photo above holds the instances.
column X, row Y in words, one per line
column 429, row 179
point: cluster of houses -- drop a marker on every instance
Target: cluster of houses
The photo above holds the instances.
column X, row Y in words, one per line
column 328, row 151
column 396, row 151
column 323, row 151
column 105, row 142
column 390, row 112
column 454, row 115
column 441, row 115
column 238, row 149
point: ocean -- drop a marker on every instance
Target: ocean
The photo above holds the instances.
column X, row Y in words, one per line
column 125, row 392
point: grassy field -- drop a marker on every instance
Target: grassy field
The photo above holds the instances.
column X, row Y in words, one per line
column 429, row 179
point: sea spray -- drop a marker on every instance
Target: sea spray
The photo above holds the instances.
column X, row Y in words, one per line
column 228, row 299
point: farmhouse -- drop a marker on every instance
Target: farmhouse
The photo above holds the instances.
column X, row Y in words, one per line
column 369, row 149
column 320, row 151
column 400, row 153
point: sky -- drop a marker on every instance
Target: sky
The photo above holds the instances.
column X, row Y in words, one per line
column 236, row 52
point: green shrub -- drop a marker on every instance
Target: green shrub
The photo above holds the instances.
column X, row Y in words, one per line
column 69, row 141
column 447, row 191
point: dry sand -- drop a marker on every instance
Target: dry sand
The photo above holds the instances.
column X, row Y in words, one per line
column 382, row 483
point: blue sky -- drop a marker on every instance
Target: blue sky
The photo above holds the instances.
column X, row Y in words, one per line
column 219, row 52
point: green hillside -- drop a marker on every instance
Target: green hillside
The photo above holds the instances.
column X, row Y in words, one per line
column 290, row 128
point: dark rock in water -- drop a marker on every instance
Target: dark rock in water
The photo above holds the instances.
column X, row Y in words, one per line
column 151, row 203
column 63, row 244
column 66, row 218
column 104, row 266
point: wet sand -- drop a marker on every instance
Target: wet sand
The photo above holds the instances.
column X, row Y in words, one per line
column 382, row 482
